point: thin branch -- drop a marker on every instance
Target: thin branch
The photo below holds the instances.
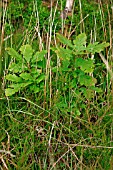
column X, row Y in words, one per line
column 107, row 65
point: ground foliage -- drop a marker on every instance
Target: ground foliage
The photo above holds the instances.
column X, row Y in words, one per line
column 56, row 92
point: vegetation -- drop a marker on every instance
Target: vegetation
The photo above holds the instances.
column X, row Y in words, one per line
column 56, row 86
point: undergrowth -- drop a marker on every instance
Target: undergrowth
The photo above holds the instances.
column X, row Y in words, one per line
column 56, row 98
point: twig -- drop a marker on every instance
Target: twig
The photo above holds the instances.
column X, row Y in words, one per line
column 7, row 152
column 107, row 65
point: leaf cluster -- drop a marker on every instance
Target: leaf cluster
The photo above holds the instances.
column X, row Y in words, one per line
column 25, row 70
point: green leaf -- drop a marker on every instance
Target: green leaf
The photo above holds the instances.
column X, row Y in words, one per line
column 16, row 87
column 10, row 92
column 36, row 71
column 64, row 53
column 13, row 78
column 42, row 85
column 14, row 54
column 64, row 40
column 26, row 84
column 80, row 42
column 20, row 85
column 79, row 51
column 14, row 67
column 27, row 52
column 78, row 113
column 73, row 83
column 39, row 56
column 85, row 65
column 88, row 93
column 26, row 76
column 96, row 47
column 18, row 68
column 75, row 74
column 97, row 89
column 65, row 65
column 35, row 89
column 41, row 64
column 53, row 48
column 40, row 78
column 54, row 69
column 86, row 80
